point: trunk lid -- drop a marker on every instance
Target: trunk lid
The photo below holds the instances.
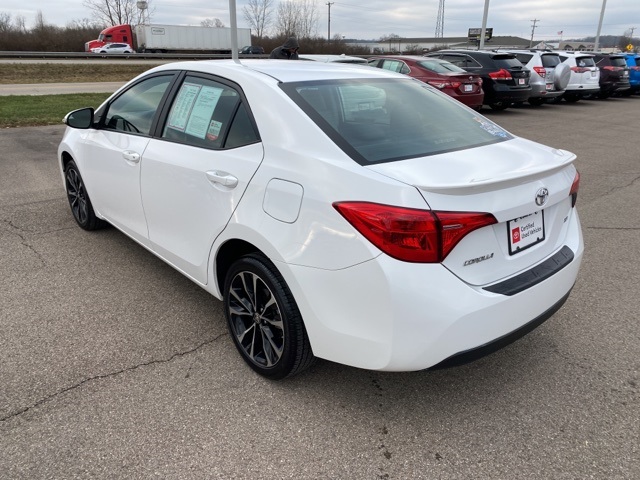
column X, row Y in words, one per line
column 504, row 179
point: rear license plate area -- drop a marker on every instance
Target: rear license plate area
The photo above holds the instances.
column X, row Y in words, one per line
column 525, row 232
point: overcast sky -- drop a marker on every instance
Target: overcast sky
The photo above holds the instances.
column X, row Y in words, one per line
column 371, row 19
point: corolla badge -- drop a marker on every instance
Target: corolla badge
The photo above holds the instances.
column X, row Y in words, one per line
column 541, row 196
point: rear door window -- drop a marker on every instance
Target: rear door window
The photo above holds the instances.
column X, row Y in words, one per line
column 507, row 61
column 207, row 113
column 550, row 61
column 585, row 62
column 524, row 57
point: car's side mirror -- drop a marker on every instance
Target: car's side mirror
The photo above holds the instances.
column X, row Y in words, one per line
column 82, row 118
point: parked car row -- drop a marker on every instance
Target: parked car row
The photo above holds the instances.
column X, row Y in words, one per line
column 511, row 77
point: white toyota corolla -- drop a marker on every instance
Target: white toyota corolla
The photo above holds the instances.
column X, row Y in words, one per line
column 340, row 212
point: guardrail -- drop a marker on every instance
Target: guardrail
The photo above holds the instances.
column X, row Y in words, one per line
column 135, row 56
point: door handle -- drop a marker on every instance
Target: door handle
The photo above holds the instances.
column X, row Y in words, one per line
column 130, row 156
column 222, row 178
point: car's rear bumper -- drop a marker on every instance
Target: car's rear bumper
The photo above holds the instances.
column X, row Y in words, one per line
column 540, row 91
column 385, row 314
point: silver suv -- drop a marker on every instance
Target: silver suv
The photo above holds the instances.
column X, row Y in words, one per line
column 549, row 76
column 585, row 75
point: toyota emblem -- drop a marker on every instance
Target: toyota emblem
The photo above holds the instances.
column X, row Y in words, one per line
column 541, row 196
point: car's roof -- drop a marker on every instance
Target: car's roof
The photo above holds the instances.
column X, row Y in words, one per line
column 281, row 70
column 331, row 58
column 415, row 58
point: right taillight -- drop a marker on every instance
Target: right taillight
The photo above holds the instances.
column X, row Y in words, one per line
column 501, row 74
column 412, row 235
column 575, row 186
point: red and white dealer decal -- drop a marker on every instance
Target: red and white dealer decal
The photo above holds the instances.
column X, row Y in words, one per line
column 524, row 232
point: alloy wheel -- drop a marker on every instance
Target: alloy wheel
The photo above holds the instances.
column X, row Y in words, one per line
column 256, row 319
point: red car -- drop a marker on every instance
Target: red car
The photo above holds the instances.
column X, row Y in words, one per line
column 449, row 78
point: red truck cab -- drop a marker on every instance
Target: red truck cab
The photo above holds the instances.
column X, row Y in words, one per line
column 115, row 34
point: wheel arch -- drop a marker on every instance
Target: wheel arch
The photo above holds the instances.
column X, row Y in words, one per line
column 230, row 251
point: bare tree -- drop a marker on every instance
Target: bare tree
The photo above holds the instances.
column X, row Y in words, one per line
column 215, row 22
column 308, row 26
column 5, row 22
column 287, row 18
column 297, row 18
column 118, row 12
column 258, row 13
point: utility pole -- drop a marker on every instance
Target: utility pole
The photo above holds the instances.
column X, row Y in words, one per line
column 440, row 21
column 533, row 29
column 329, row 22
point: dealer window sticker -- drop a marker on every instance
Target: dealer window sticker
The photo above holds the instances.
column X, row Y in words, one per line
column 183, row 105
column 491, row 128
column 199, row 121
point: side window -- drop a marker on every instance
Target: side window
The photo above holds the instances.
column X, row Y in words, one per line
column 524, row 59
column 471, row 63
column 205, row 113
column 133, row 111
column 457, row 60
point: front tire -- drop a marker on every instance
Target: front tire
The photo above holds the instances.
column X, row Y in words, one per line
column 79, row 201
column 264, row 320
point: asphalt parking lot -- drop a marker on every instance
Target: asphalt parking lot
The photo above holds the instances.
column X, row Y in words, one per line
column 113, row 365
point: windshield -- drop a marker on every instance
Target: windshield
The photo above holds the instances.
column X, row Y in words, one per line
column 385, row 120
column 440, row 66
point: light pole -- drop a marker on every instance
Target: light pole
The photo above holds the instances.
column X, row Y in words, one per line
column 597, row 42
column 484, row 24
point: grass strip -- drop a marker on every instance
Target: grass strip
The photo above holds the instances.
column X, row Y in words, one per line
column 35, row 110
column 21, row 73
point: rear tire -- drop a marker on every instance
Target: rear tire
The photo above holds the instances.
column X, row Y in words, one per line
column 571, row 98
column 263, row 319
column 500, row 105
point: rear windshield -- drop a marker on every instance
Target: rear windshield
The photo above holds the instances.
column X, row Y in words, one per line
column 507, row 62
column 618, row 62
column 385, row 120
column 440, row 66
column 585, row 62
column 550, row 61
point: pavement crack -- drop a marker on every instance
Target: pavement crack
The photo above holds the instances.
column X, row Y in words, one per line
column 110, row 375
column 620, row 187
column 19, row 232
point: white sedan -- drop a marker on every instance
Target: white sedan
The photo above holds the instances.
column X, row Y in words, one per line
column 350, row 214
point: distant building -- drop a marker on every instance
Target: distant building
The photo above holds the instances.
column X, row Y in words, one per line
column 399, row 45
column 578, row 46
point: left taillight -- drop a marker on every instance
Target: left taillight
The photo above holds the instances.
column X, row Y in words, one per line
column 541, row 71
column 575, row 186
column 412, row 235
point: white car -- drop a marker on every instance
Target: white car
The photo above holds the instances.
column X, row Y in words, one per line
column 346, row 213
column 113, row 48
column 585, row 75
